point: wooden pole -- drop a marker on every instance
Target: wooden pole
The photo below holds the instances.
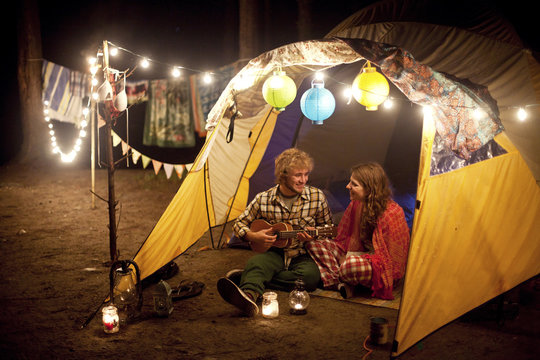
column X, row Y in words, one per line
column 93, row 151
column 110, row 161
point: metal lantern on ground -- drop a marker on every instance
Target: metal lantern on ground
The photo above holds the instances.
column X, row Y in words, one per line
column 317, row 103
column 370, row 88
column 299, row 298
column 126, row 289
column 279, row 90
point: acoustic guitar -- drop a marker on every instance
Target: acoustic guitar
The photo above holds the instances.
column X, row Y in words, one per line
column 285, row 233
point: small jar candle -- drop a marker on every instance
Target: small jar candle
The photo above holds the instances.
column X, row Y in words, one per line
column 111, row 321
column 270, row 305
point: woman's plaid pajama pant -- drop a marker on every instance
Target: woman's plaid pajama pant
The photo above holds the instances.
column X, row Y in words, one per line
column 338, row 267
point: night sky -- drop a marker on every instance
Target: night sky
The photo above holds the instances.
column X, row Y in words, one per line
column 197, row 34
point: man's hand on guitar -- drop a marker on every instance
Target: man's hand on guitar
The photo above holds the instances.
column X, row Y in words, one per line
column 264, row 238
column 304, row 236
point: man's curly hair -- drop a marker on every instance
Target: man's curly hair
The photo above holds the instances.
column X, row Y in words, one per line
column 290, row 159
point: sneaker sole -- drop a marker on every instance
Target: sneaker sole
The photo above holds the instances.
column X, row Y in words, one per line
column 235, row 296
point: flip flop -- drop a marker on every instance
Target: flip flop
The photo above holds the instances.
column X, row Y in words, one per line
column 187, row 289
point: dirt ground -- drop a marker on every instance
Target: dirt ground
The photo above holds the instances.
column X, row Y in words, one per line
column 53, row 247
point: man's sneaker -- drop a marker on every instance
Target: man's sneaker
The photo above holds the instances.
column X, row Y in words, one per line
column 235, row 275
column 235, row 296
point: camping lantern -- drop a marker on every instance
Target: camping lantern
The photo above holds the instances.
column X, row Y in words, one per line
column 370, row 88
column 125, row 293
column 279, row 90
column 163, row 305
column 299, row 298
column 111, row 322
column 317, row 103
column 270, row 305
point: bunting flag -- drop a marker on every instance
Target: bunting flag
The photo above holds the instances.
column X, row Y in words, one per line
column 168, row 169
column 179, row 170
column 135, row 155
column 156, row 164
column 145, row 161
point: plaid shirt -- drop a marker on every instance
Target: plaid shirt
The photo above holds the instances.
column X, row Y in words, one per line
column 309, row 209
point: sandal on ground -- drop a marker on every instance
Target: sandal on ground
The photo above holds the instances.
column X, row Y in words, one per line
column 187, row 289
column 346, row 290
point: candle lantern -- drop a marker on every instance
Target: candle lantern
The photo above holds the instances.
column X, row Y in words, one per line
column 111, row 322
column 126, row 289
column 270, row 305
column 370, row 88
column 279, row 90
column 163, row 305
column 299, row 298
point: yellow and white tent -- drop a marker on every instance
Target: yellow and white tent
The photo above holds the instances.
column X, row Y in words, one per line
column 471, row 182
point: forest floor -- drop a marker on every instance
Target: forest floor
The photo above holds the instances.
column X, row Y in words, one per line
column 54, row 251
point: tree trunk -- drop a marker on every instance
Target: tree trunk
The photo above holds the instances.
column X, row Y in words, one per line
column 34, row 128
column 248, row 30
column 304, row 19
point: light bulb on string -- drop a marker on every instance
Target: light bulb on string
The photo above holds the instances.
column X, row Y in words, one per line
column 388, row 103
column 145, row 63
column 113, row 51
column 175, row 72
column 207, row 78
column 522, row 114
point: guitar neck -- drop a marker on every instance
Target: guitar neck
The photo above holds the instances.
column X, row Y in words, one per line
column 289, row 234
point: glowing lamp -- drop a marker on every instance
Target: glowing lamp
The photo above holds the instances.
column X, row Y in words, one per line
column 111, row 322
column 279, row 90
column 270, row 305
column 370, row 88
column 299, row 298
column 317, row 103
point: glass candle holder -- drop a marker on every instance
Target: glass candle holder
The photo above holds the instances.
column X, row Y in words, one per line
column 299, row 299
column 111, row 321
column 270, row 305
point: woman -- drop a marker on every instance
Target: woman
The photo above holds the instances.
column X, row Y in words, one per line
column 372, row 240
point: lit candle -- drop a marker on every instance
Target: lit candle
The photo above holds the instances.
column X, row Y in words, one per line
column 270, row 305
column 111, row 320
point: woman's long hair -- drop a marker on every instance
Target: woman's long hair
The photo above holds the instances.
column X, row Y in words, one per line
column 377, row 191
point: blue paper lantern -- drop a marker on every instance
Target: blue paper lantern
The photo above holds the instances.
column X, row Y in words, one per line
column 317, row 103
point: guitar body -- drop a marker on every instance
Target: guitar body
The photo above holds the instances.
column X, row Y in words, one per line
column 260, row 224
column 286, row 233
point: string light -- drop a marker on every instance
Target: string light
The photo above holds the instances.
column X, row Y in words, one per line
column 145, row 63
column 176, row 72
column 522, row 114
column 207, row 78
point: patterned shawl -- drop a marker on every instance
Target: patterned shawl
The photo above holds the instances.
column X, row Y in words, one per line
column 390, row 242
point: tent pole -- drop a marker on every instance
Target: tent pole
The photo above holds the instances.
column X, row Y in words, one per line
column 297, row 131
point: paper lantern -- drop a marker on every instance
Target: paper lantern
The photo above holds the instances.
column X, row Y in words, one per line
column 370, row 88
column 279, row 90
column 317, row 103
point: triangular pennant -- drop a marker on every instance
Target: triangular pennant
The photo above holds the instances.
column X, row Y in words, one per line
column 189, row 166
column 135, row 155
column 179, row 170
column 145, row 161
column 157, row 165
column 125, row 148
column 168, row 170
column 115, row 139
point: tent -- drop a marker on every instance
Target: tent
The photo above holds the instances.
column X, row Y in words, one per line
column 468, row 184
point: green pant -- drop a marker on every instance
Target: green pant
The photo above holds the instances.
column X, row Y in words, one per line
column 268, row 270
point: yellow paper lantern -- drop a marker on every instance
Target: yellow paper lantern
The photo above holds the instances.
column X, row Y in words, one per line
column 370, row 88
column 279, row 90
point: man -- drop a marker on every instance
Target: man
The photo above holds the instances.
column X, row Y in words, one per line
column 293, row 202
